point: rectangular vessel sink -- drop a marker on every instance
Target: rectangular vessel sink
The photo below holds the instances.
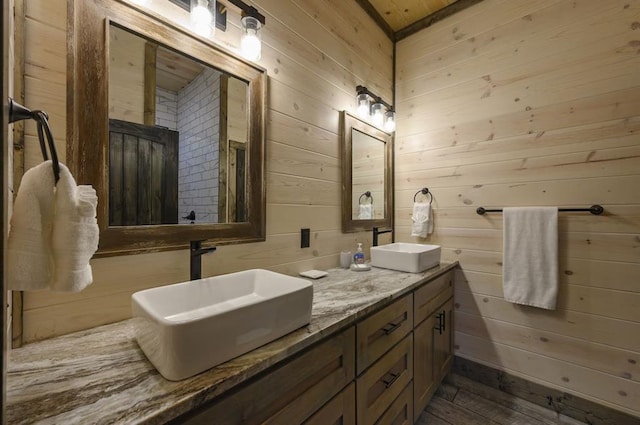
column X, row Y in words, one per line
column 188, row 327
column 405, row 257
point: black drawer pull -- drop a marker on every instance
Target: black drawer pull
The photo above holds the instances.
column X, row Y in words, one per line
column 390, row 327
column 441, row 322
column 394, row 378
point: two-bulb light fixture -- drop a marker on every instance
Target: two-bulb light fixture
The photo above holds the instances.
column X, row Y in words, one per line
column 373, row 108
column 203, row 14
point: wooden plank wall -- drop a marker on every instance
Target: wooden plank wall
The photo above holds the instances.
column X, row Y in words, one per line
column 514, row 103
column 315, row 53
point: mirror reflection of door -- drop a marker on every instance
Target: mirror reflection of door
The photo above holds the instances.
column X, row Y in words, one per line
column 367, row 176
column 171, row 121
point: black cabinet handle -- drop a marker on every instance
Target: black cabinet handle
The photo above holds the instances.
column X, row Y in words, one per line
column 394, row 378
column 441, row 323
column 444, row 320
column 391, row 327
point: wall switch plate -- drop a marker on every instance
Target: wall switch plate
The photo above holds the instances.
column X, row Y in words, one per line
column 305, row 238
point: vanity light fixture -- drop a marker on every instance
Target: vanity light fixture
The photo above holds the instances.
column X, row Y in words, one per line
column 203, row 14
column 372, row 107
column 252, row 22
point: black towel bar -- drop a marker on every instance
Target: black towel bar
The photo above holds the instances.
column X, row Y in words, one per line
column 368, row 195
column 593, row 209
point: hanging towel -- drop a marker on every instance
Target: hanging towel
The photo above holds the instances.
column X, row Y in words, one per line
column 422, row 220
column 366, row 212
column 530, row 258
column 29, row 263
column 75, row 233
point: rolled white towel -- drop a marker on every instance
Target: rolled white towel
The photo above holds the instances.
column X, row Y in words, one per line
column 422, row 220
column 29, row 263
column 75, row 234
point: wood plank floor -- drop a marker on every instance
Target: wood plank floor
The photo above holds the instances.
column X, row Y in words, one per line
column 461, row 401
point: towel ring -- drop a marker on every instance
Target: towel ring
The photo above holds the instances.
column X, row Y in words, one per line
column 366, row 194
column 425, row 192
column 18, row 112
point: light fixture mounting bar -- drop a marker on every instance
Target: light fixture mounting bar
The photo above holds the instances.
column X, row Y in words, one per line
column 248, row 10
column 364, row 90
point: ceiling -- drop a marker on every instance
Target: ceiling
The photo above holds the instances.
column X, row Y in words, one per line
column 401, row 18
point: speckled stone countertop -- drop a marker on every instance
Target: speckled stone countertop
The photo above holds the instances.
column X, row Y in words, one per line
column 100, row 376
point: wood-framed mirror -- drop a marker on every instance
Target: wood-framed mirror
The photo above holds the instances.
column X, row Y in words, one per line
column 168, row 127
column 367, row 187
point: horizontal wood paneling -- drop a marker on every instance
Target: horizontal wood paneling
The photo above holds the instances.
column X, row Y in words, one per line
column 315, row 54
column 532, row 103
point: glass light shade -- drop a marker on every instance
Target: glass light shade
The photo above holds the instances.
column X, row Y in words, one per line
column 377, row 116
column 362, row 105
column 203, row 17
column 390, row 121
column 250, row 43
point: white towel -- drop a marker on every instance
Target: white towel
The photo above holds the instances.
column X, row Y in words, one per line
column 366, row 212
column 530, row 257
column 53, row 232
column 422, row 220
column 29, row 262
column 75, row 233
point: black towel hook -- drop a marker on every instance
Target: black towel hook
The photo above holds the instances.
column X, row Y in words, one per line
column 425, row 192
column 17, row 112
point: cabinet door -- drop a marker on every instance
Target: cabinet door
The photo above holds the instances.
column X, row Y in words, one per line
column 424, row 380
column 443, row 341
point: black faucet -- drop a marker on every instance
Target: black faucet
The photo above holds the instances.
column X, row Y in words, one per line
column 196, row 251
column 377, row 232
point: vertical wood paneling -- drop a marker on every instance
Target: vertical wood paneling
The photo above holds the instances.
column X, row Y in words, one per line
column 314, row 56
column 533, row 103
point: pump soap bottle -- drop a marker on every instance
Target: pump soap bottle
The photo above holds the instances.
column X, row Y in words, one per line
column 358, row 260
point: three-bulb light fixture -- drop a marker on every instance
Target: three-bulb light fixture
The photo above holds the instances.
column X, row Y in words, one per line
column 371, row 107
column 202, row 16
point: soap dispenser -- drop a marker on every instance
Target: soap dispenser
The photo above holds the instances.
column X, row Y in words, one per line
column 358, row 257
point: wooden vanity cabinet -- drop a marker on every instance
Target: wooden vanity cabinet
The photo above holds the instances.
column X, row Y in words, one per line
column 381, row 371
column 433, row 338
column 290, row 394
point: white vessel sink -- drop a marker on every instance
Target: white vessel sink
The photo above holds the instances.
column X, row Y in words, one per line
column 189, row 327
column 405, row 257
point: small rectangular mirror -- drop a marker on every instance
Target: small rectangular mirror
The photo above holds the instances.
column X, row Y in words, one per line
column 367, row 198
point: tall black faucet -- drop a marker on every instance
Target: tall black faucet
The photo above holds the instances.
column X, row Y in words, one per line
column 196, row 251
column 377, row 232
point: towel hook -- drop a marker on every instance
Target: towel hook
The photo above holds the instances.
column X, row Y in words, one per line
column 366, row 194
column 425, row 192
column 17, row 112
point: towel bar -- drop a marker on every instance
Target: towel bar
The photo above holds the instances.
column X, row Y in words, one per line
column 368, row 195
column 593, row 209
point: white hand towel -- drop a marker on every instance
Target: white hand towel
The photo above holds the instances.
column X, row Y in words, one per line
column 422, row 220
column 75, row 234
column 29, row 265
column 530, row 257
column 366, row 212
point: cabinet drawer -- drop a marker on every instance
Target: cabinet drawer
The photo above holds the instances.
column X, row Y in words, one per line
column 432, row 295
column 383, row 382
column 289, row 394
column 341, row 410
column 379, row 332
column 401, row 410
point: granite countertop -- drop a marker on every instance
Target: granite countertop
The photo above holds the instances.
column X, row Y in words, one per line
column 100, row 376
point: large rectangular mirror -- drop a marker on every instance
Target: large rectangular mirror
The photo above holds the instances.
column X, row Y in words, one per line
column 367, row 197
column 169, row 129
